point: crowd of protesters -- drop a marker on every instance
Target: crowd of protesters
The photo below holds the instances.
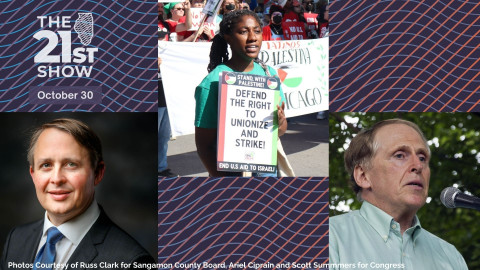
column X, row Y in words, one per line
column 282, row 19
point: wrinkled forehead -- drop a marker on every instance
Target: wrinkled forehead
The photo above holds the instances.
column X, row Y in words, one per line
column 398, row 134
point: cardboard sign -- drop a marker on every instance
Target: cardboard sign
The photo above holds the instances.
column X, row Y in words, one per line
column 197, row 17
column 247, row 122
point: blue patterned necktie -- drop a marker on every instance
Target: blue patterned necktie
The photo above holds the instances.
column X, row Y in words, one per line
column 46, row 256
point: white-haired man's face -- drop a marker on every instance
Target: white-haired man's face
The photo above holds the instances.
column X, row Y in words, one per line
column 398, row 175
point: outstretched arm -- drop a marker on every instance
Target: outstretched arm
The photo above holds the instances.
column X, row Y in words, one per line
column 188, row 19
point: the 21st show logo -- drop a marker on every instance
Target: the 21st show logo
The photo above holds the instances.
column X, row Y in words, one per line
column 74, row 60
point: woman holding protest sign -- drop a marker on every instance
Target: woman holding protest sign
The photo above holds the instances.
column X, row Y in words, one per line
column 242, row 30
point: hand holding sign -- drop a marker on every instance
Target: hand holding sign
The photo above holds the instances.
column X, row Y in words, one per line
column 208, row 32
column 282, row 120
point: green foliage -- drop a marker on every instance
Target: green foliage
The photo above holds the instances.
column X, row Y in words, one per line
column 455, row 147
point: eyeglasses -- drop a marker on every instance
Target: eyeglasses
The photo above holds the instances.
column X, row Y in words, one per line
column 246, row 8
column 179, row 9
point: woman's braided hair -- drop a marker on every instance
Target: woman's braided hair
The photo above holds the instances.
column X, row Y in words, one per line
column 219, row 49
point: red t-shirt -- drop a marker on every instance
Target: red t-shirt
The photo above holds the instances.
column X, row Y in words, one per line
column 172, row 24
column 183, row 33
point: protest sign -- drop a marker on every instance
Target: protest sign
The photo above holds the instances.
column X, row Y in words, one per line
column 197, row 18
column 311, row 19
column 302, row 66
column 247, row 122
column 294, row 30
column 211, row 7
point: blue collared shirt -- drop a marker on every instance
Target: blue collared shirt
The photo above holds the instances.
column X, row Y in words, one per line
column 371, row 238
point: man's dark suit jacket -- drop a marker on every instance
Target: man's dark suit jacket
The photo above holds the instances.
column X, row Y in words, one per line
column 104, row 242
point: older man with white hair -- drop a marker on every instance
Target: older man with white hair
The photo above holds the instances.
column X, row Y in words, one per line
column 389, row 168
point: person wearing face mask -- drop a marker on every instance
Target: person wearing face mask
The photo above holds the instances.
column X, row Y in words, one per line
column 227, row 7
column 311, row 18
column 305, row 3
column 274, row 30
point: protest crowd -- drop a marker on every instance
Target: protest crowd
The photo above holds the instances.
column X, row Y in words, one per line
column 186, row 22
column 282, row 19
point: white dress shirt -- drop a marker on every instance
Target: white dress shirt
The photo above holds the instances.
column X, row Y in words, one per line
column 73, row 231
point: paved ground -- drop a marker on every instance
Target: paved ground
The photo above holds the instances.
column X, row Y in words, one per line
column 306, row 145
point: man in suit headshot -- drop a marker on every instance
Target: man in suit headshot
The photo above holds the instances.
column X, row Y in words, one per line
column 389, row 169
column 66, row 164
